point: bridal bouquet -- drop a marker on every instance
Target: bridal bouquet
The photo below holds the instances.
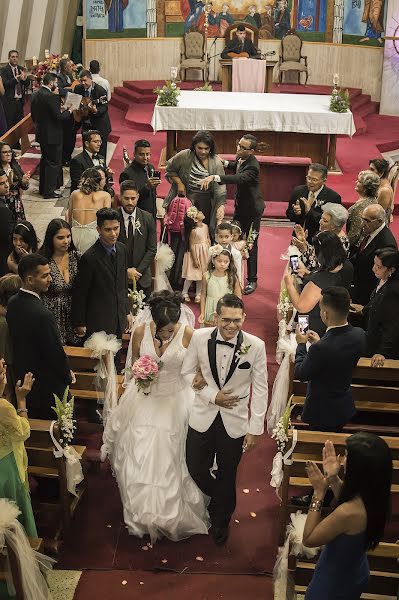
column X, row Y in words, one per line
column 145, row 371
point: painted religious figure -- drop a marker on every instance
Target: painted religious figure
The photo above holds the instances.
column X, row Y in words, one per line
column 225, row 19
column 115, row 9
column 282, row 19
column 373, row 15
column 266, row 30
column 253, row 17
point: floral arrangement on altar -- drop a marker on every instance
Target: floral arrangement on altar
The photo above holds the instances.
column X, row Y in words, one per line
column 145, row 371
column 168, row 94
column 339, row 102
column 204, row 88
column 66, row 423
column 52, row 64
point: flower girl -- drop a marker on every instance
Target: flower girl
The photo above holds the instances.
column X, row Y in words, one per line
column 220, row 279
column 197, row 242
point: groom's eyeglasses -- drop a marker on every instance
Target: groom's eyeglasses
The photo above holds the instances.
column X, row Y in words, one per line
column 229, row 321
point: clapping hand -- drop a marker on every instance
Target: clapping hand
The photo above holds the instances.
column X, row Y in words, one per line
column 317, row 479
column 3, row 376
column 297, row 208
column 331, row 462
column 23, row 389
column 377, row 360
column 356, row 309
column 26, row 177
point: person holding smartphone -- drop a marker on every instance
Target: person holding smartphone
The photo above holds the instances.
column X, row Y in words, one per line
column 144, row 174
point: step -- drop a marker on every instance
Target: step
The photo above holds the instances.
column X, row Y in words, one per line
column 368, row 109
column 360, row 124
column 133, row 96
column 119, row 102
column 140, row 119
column 359, row 101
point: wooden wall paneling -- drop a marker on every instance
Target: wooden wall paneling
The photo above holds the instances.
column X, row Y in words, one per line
column 160, row 18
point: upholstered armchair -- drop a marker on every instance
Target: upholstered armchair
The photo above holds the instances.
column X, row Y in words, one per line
column 251, row 31
column 193, row 54
column 291, row 56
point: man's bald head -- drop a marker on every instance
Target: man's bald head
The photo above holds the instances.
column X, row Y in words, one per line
column 373, row 217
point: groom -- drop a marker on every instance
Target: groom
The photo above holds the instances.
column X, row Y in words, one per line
column 231, row 361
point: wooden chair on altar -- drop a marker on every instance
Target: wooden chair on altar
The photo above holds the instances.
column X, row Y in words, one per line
column 291, row 56
column 251, row 30
column 193, row 54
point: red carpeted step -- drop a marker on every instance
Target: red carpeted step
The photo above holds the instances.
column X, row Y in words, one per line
column 359, row 101
column 119, row 102
column 146, row 87
column 360, row 124
column 139, row 117
column 368, row 109
column 133, row 96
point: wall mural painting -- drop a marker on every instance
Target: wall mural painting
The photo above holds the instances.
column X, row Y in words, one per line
column 364, row 22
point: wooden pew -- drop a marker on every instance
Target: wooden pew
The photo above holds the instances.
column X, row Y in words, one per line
column 375, row 390
column 309, row 447
column 384, row 575
column 43, row 464
column 20, row 132
column 35, row 544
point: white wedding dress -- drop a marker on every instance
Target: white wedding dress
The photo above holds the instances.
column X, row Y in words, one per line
column 145, row 439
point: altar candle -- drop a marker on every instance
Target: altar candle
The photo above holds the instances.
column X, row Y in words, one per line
column 47, row 54
column 336, row 79
column 173, row 73
column 34, row 61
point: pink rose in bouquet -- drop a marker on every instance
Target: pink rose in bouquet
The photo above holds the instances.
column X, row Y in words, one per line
column 145, row 371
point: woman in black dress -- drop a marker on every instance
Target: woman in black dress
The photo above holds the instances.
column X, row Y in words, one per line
column 381, row 313
column 63, row 262
column 17, row 178
column 334, row 269
column 24, row 241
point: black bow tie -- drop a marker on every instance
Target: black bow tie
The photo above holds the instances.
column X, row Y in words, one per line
column 225, row 343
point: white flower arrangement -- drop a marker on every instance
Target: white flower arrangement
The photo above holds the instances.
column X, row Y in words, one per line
column 243, row 350
column 66, row 423
column 284, row 305
column 137, row 299
column 280, row 431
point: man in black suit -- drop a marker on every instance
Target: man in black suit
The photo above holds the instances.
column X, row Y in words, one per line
column 7, row 222
column 36, row 340
column 65, row 79
column 306, row 201
column 97, row 117
column 240, row 43
column 249, row 203
column 99, row 299
column 138, row 234
column 48, row 116
column 141, row 172
column 376, row 236
column 88, row 158
column 328, row 365
column 15, row 81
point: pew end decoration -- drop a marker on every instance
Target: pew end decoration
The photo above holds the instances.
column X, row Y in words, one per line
column 164, row 260
column 283, row 584
column 105, row 347
column 25, row 568
column 280, row 434
column 251, row 238
column 62, row 446
column 168, row 94
column 136, row 298
column 339, row 102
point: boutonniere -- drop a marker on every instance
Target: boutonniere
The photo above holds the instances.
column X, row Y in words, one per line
column 243, row 350
column 137, row 226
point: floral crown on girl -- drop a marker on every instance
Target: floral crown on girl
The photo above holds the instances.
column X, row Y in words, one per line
column 192, row 212
column 218, row 249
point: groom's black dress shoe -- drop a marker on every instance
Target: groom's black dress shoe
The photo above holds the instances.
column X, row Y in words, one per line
column 250, row 288
column 220, row 534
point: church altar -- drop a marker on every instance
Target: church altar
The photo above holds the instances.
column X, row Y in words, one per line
column 285, row 124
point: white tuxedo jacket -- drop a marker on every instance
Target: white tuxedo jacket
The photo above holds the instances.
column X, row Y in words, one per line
column 246, row 371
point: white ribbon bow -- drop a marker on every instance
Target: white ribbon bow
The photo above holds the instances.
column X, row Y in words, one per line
column 73, row 467
column 278, row 461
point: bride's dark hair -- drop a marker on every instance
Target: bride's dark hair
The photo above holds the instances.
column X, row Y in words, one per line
column 165, row 307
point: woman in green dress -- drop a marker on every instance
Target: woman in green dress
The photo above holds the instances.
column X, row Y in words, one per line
column 14, row 430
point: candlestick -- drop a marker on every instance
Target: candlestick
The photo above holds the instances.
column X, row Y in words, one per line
column 47, row 54
column 336, row 79
column 173, row 73
column 34, row 61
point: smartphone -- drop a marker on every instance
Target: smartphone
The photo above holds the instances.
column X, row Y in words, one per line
column 156, row 174
column 303, row 323
column 294, row 262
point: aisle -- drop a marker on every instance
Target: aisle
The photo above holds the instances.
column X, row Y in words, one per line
column 99, row 539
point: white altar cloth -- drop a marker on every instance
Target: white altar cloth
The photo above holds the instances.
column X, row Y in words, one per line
column 230, row 111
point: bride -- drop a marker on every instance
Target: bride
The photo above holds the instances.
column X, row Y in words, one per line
column 145, row 435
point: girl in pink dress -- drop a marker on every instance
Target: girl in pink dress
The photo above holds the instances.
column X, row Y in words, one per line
column 196, row 257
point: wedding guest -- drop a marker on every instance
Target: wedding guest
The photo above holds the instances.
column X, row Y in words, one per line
column 367, row 185
column 145, row 435
column 334, row 270
column 100, row 294
column 94, row 69
column 63, row 261
column 138, row 234
column 7, row 223
column 9, row 286
column 35, row 338
column 3, row 120
column 14, row 430
column 186, row 170
column 240, row 244
column 333, row 219
column 15, row 82
column 83, row 206
column 357, row 524
column 141, row 171
column 224, row 237
column 24, row 241
column 17, row 179
column 232, row 364
column 385, row 195
column 304, row 207
column 106, row 181
column 88, row 158
column 196, row 256
column 376, row 235
column 381, row 313
column 69, row 126
column 220, row 279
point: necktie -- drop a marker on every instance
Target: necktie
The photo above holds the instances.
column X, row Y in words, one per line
column 130, row 230
column 223, row 343
column 113, row 259
column 364, row 243
column 87, row 93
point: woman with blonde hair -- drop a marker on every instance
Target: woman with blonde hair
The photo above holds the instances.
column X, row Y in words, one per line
column 367, row 185
column 83, row 206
